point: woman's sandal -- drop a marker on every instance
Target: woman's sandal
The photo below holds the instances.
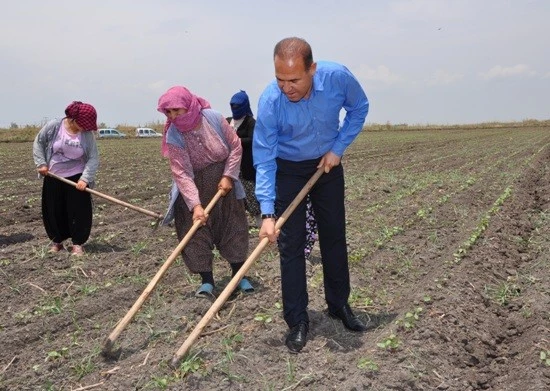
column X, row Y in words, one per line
column 245, row 286
column 206, row 290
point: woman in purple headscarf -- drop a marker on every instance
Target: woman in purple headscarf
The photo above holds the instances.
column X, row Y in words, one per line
column 67, row 147
column 205, row 155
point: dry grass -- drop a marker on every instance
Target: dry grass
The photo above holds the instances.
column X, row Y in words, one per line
column 28, row 133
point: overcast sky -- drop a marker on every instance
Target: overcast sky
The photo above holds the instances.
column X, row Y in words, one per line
column 419, row 61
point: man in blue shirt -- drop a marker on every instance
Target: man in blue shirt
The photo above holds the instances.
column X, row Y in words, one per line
column 297, row 131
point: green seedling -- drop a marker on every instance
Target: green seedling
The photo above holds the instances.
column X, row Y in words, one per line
column 138, row 247
column 229, row 343
column 159, row 382
column 367, row 363
column 290, row 370
column 191, row 364
column 503, row 293
column 264, row 318
column 545, row 357
column 53, row 305
column 409, row 320
column 88, row 289
column 390, row 343
column 54, row 354
column 84, row 367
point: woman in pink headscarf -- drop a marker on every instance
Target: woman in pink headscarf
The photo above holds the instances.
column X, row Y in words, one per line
column 67, row 147
column 205, row 155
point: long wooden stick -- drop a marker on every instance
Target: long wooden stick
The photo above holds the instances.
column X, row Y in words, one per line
column 109, row 198
column 242, row 271
column 109, row 342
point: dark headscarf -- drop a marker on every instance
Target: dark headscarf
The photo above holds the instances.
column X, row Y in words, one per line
column 240, row 105
column 84, row 115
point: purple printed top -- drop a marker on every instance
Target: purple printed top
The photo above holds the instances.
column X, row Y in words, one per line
column 68, row 155
column 203, row 147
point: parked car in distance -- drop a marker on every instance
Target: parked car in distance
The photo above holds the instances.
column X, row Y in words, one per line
column 109, row 133
column 147, row 132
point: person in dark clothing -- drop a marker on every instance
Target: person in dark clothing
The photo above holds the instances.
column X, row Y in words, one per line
column 243, row 122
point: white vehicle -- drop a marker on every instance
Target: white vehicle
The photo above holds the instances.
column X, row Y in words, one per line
column 147, row 132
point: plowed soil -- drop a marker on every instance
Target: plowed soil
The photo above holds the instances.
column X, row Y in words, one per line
column 449, row 242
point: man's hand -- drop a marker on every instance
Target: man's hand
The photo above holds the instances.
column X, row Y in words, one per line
column 225, row 185
column 198, row 214
column 81, row 185
column 268, row 230
column 328, row 161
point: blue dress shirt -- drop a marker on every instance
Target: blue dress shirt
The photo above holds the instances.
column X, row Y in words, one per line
column 306, row 129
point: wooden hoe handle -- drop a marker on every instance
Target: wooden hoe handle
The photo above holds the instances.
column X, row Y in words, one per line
column 109, row 198
column 222, row 298
column 109, row 342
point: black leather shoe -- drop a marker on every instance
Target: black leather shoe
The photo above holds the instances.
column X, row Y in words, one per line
column 296, row 338
column 349, row 320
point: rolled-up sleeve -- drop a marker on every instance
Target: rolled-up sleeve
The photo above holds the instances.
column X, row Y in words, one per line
column 356, row 105
column 264, row 151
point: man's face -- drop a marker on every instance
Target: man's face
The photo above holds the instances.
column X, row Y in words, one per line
column 292, row 77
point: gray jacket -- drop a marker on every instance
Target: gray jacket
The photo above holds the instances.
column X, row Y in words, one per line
column 42, row 149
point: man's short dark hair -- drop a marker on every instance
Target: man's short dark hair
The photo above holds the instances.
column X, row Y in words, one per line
column 292, row 47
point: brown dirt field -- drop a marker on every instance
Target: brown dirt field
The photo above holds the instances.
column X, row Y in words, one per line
column 449, row 243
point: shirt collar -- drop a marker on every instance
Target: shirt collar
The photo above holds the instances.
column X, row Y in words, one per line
column 318, row 82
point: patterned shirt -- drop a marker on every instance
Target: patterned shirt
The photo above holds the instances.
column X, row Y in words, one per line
column 68, row 154
column 202, row 147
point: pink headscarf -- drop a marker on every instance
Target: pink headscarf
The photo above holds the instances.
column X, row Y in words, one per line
column 176, row 98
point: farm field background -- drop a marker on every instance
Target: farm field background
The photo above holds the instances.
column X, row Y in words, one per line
column 449, row 242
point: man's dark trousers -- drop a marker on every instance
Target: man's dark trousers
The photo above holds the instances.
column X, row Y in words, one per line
column 327, row 197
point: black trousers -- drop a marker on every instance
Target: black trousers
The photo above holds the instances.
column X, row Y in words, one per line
column 66, row 211
column 327, row 197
